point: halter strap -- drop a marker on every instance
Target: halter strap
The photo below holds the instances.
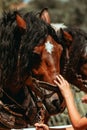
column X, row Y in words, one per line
column 38, row 85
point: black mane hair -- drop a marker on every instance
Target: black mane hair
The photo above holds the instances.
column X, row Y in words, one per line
column 10, row 37
column 16, row 45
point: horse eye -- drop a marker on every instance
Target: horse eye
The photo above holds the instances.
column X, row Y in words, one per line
column 35, row 58
column 35, row 55
column 48, row 63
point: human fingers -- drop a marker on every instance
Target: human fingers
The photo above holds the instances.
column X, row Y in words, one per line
column 41, row 126
column 37, row 126
column 59, row 81
column 61, row 77
column 62, row 84
column 84, row 99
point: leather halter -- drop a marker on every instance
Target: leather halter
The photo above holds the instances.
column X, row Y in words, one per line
column 40, row 87
column 37, row 85
column 38, row 114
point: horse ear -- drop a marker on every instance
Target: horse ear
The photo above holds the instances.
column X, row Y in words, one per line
column 66, row 35
column 44, row 14
column 20, row 22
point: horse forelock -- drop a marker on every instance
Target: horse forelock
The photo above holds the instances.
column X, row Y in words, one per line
column 37, row 31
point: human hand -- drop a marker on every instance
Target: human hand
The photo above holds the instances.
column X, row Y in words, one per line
column 63, row 86
column 41, row 126
column 84, row 99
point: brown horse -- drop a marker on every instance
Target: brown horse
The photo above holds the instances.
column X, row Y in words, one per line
column 44, row 66
column 29, row 62
column 73, row 63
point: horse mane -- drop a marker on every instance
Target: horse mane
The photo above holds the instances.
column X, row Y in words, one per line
column 14, row 43
column 9, row 42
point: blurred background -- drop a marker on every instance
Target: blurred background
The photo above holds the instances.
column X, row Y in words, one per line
column 69, row 12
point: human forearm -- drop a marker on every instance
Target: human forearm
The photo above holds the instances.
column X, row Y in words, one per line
column 57, row 129
column 69, row 128
column 68, row 96
column 76, row 120
column 72, row 110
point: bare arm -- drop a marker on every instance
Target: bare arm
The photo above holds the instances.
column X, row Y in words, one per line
column 70, row 128
column 77, row 122
column 84, row 99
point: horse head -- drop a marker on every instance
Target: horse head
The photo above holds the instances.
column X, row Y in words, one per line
column 44, row 63
column 73, row 62
column 76, row 65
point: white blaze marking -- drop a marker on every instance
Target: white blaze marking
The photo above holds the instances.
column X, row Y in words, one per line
column 49, row 47
column 57, row 26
